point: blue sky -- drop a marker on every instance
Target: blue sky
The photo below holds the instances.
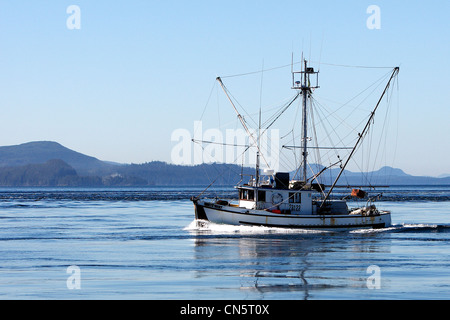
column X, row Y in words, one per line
column 136, row 71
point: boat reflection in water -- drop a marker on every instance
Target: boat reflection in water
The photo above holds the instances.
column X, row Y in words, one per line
column 275, row 263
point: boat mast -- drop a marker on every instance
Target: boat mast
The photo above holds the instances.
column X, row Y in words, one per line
column 304, row 85
column 305, row 92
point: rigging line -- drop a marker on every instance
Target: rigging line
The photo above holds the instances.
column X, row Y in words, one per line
column 321, row 47
column 207, row 102
column 318, row 148
column 256, row 72
column 310, row 45
column 221, row 143
column 247, row 114
column 290, row 103
column 318, row 157
column 327, row 114
column 223, row 172
column 229, row 96
column 370, row 168
column 362, row 134
column 389, row 124
column 218, row 105
column 384, row 129
column 259, row 129
column 241, row 119
column 327, row 135
column 204, row 170
column 267, row 147
column 250, row 135
column 368, row 133
column 398, row 120
column 365, row 168
column 377, row 83
column 282, row 109
column 298, row 62
column 281, row 159
column 315, row 176
column 323, row 122
column 295, row 153
column 278, row 105
column 352, row 66
column 342, row 121
column 260, row 92
column 282, row 137
column 294, row 125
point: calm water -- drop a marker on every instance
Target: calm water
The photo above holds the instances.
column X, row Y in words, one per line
column 143, row 244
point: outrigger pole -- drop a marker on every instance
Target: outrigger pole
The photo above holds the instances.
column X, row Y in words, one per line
column 361, row 135
column 241, row 119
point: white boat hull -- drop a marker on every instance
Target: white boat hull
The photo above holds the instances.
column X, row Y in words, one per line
column 225, row 214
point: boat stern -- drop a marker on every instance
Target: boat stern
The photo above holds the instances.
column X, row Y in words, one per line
column 385, row 217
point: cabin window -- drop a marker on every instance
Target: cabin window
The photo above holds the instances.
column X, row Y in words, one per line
column 247, row 194
column 261, row 196
column 295, row 197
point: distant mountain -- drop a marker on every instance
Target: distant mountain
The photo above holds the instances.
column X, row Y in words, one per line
column 384, row 176
column 46, row 163
column 43, row 151
column 389, row 171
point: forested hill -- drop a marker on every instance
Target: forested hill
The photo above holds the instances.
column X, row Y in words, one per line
column 46, row 163
column 43, row 151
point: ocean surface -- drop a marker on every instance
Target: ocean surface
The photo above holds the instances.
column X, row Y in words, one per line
column 143, row 243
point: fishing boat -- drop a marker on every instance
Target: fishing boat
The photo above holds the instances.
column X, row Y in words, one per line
column 273, row 199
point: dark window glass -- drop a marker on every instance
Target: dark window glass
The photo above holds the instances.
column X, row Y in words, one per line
column 261, row 196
